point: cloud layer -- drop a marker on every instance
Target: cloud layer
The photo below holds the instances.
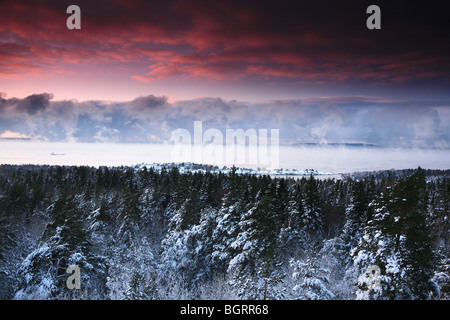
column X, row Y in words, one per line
column 300, row 42
column 151, row 119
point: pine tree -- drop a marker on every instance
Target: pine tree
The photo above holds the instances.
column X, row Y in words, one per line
column 203, row 246
column 311, row 220
column 136, row 289
column 397, row 241
column 258, row 258
column 357, row 211
column 226, row 232
column 293, row 240
column 141, row 286
column 420, row 259
column 7, row 236
column 190, row 214
column 8, row 241
column 311, row 280
column 357, row 214
column 439, row 220
column 66, row 242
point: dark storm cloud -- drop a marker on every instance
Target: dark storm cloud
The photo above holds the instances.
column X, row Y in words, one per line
column 147, row 104
column 34, row 103
column 31, row 104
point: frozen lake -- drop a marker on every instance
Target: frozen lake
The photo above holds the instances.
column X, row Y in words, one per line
column 332, row 159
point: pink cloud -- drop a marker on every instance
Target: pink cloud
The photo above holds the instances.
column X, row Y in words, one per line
column 187, row 39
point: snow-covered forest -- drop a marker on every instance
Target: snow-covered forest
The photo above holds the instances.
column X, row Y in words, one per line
column 142, row 233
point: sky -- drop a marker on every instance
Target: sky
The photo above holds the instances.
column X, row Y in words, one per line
column 137, row 70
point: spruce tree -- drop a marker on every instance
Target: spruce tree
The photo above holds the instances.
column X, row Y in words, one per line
column 258, row 244
column 311, row 220
column 310, row 279
column 397, row 241
column 65, row 242
column 419, row 256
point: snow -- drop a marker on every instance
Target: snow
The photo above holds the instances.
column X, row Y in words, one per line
column 392, row 265
column 362, row 256
column 187, row 167
column 227, row 242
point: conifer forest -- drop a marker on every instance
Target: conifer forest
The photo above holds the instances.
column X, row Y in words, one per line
column 167, row 234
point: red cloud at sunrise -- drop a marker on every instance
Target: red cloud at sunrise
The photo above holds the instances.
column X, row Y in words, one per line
column 143, row 46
